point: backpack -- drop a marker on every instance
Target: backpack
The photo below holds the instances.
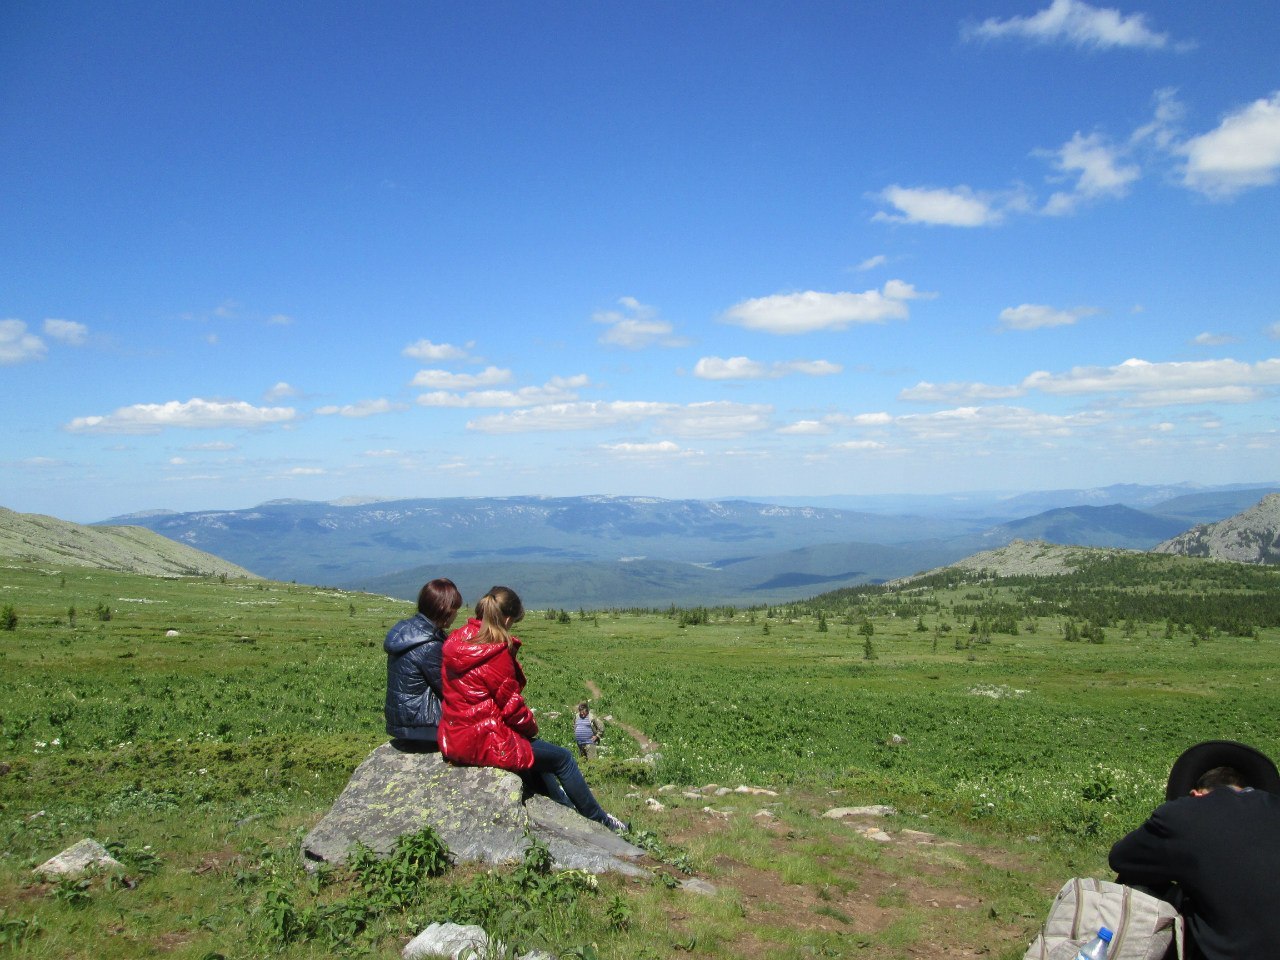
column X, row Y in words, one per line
column 1142, row 925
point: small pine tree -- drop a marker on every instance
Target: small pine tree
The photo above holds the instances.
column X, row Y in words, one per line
column 822, row 623
column 8, row 617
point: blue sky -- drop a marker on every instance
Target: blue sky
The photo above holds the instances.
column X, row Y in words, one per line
column 315, row 250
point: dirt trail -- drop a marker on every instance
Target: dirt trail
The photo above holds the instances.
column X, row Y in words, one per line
column 646, row 745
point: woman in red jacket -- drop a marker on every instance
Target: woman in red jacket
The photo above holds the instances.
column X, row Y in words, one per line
column 485, row 721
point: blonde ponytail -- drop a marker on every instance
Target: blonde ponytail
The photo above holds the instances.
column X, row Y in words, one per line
column 493, row 610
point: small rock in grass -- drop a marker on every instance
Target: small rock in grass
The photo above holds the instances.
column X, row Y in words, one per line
column 76, row 860
column 448, row 940
column 875, row 810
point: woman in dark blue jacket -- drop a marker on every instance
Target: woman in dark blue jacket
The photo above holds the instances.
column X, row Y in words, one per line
column 413, row 649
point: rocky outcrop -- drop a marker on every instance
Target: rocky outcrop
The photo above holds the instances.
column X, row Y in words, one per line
column 1249, row 537
column 477, row 811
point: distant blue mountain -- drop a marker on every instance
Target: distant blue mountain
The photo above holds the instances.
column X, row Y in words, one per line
column 620, row 551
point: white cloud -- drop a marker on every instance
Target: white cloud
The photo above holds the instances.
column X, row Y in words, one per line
column 979, row 421
column 194, row 413
column 879, row 260
column 584, row 415
column 805, row 428
column 280, row 391
column 955, row 207
column 718, row 419
column 733, row 368
column 1273, row 331
column 17, row 345
column 279, row 320
column 708, row 420
column 926, row 392
column 1099, row 171
column 215, row 446
column 364, row 408
column 742, row 368
column 382, row 454
column 1207, row 339
column 444, row 380
column 859, row 445
column 1035, row 316
column 66, row 331
column 556, row 390
column 1241, row 152
column 790, row 313
column 1162, row 130
column 426, row 350
column 636, row 326
column 878, row 419
column 1157, row 384
column 1073, row 22
column 643, row 450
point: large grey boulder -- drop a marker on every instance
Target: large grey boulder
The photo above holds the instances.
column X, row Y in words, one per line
column 477, row 812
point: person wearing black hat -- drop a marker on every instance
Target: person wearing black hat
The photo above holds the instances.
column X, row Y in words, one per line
column 1212, row 849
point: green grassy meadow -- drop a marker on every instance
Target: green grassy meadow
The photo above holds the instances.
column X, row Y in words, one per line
column 199, row 727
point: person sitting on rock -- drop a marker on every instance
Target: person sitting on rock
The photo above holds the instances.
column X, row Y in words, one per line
column 485, row 721
column 414, row 650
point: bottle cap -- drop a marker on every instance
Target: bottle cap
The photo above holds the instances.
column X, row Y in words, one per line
column 1105, row 934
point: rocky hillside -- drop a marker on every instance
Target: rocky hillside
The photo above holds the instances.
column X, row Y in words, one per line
column 1025, row 558
column 30, row 536
column 1249, row 537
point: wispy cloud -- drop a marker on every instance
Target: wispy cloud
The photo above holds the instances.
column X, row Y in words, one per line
column 142, row 418
column 742, row 368
column 879, row 260
column 1035, row 316
column 433, row 352
column 1099, row 170
column 940, row 206
column 444, row 380
column 281, row 391
column 660, row 450
column 926, row 392
column 17, row 345
column 555, row 390
column 709, row 420
column 1207, row 339
column 636, row 326
column 1074, row 23
column 67, row 331
column 361, row 409
column 793, row 313
column 1158, row 384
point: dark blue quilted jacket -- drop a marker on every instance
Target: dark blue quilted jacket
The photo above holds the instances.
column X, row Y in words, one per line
column 413, row 678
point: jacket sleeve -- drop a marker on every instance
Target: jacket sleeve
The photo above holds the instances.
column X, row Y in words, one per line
column 431, row 664
column 1143, row 856
column 514, row 711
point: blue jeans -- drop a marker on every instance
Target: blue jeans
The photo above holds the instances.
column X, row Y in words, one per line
column 559, row 772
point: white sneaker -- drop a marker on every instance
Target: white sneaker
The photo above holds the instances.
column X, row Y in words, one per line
column 614, row 824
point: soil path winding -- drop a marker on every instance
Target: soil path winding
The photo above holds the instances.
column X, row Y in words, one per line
column 646, row 745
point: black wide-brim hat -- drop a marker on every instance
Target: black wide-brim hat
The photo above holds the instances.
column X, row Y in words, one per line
column 1253, row 766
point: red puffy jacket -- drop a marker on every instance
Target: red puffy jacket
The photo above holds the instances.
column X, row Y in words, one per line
column 484, row 720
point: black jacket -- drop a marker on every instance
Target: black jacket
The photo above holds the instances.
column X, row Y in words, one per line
column 412, row 707
column 1221, row 850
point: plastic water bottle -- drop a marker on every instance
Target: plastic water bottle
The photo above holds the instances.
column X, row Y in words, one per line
column 1096, row 949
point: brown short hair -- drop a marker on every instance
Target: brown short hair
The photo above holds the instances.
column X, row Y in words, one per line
column 439, row 601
